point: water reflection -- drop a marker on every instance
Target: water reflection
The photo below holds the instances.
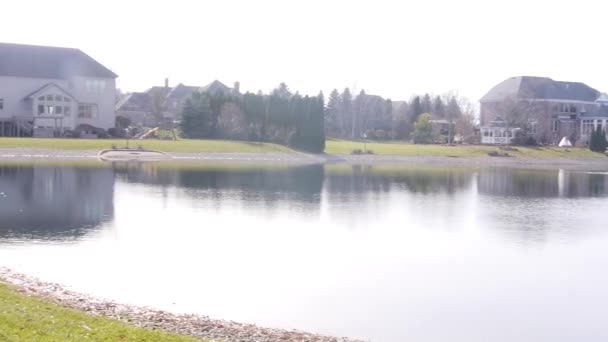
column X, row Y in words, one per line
column 542, row 183
column 53, row 202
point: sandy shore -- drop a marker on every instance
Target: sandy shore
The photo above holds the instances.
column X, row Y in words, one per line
column 302, row 158
column 192, row 325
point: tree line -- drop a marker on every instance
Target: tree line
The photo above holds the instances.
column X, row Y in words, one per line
column 280, row 117
column 371, row 116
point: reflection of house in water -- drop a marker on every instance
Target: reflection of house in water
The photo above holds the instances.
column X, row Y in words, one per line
column 541, row 183
column 41, row 201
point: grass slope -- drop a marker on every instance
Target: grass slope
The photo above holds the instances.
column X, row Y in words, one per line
column 28, row 319
column 405, row 149
column 184, row 145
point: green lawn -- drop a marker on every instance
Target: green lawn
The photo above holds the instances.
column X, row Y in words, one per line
column 29, row 319
column 184, row 145
column 405, row 149
column 333, row 146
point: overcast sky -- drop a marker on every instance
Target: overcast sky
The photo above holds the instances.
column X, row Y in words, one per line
column 389, row 48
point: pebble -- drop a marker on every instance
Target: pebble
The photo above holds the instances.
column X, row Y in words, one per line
column 185, row 324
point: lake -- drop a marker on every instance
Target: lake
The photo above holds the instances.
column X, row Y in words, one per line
column 382, row 253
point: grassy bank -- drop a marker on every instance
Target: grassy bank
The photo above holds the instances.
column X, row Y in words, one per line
column 406, row 149
column 333, row 146
column 184, row 145
column 27, row 319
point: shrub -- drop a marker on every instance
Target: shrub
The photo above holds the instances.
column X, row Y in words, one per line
column 598, row 141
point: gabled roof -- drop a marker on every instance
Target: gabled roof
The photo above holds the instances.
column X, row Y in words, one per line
column 181, row 92
column 215, row 87
column 529, row 87
column 135, row 101
column 48, row 62
column 47, row 86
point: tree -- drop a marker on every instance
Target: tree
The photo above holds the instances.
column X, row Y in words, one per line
column 438, row 107
column 346, row 112
column 415, row 109
column 232, row 122
column 332, row 113
column 423, row 130
column 425, row 103
column 282, row 91
column 453, row 113
column 196, row 120
column 598, row 141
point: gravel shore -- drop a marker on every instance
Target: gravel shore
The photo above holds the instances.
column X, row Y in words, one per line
column 193, row 325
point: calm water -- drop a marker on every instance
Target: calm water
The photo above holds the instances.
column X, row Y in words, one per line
column 381, row 253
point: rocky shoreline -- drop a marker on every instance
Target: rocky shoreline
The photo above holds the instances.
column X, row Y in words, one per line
column 192, row 325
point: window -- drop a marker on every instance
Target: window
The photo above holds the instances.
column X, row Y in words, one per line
column 1, row 104
column 87, row 111
column 95, row 86
column 587, row 126
column 52, row 104
column 555, row 125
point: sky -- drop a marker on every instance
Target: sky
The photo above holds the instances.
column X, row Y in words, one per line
column 388, row 48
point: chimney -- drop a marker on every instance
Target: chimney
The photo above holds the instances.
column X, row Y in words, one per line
column 237, row 86
column 166, row 83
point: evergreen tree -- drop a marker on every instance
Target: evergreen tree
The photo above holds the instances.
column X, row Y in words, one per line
column 415, row 109
column 197, row 117
column 438, row 108
column 598, row 142
column 332, row 113
column 425, row 103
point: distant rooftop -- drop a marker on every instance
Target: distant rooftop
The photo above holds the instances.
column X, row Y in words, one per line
column 531, row 87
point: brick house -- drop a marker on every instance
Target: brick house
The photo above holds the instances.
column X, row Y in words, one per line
column 542, row 108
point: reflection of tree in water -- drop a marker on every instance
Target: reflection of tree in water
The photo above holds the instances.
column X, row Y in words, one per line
column 52, row 202
column 300, row 185
column 541, row 183
column 368, row 179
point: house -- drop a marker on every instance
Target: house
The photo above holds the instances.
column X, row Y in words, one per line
column 543, row 109
column 47, row 200
column 45, row 91
column 163, row 105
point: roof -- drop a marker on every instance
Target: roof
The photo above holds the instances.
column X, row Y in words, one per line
column 530, row 87
column 134, row 101
column 603, row 98
column 181, row 91
column 50, row 85
column 33, row 61
column 215, row 87
column 602, row 112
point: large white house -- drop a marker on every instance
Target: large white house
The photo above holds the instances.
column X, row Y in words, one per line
column 45, row 91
